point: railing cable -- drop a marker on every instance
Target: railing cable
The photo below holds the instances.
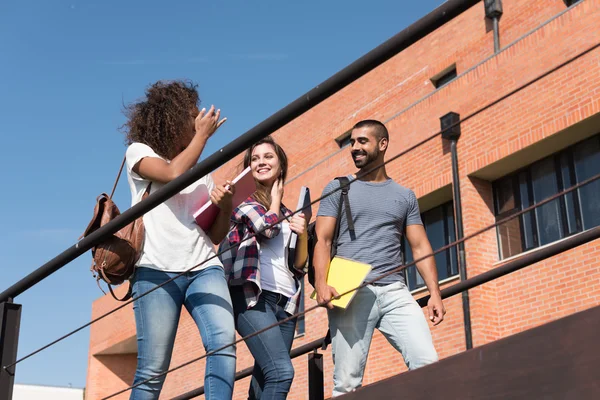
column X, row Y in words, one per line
column 358, row 177
column 366, row 283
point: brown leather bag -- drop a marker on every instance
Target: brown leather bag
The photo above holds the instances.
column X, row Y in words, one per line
column 114, row 259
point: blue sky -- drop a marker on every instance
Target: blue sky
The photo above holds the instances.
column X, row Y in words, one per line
column 65, row 69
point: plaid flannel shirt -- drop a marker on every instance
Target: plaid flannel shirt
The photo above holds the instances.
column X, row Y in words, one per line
column 242, row 267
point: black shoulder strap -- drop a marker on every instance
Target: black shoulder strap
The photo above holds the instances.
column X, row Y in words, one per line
column 344, row 202
column 403, row 246
column 345, row 182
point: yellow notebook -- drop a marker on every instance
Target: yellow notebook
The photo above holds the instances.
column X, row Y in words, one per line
column 343, row 275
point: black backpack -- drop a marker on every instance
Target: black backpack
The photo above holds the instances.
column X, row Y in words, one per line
column 312, row 234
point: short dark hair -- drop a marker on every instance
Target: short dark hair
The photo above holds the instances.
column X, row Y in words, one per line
column 380, row 130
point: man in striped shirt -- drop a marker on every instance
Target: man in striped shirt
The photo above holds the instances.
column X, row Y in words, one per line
column 382, row 212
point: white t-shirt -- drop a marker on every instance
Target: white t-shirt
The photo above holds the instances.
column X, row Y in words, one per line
column 173, row 241
column 275, row 276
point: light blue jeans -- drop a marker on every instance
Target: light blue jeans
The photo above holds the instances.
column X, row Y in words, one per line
column 392, row 310
column 206, row 297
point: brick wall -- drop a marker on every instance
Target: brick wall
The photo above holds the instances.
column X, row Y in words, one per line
column 399, row 92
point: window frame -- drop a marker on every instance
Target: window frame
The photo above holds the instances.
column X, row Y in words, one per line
column 446, row 76
column 446, row 213
column 344, row 139
column 570, row 3
column 514, row 176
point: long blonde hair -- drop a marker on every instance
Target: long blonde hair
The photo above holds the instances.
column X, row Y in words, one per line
column 263, row 194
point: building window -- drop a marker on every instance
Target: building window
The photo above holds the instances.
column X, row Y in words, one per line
column 569, row 214
column 439, row 225
column 344, row 139
column 569, row 3
column 444, row 77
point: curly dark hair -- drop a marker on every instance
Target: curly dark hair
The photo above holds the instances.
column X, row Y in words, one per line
column 162, row 116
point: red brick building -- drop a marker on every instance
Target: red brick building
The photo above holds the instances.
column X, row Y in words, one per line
column 531, row 144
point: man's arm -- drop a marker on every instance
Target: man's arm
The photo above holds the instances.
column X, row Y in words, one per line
column 419, row 243
column 324, row 229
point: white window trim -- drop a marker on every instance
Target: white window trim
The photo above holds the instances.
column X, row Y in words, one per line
column 442, row 282
column 516, row 256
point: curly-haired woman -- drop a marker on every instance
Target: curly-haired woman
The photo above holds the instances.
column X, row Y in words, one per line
column 166, row 135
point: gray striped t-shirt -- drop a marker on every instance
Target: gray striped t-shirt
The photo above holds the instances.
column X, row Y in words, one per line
column 379, row 210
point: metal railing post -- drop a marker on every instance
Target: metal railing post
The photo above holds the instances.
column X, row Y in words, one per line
column 10, row 320
column 316, row 389
column 452, row 120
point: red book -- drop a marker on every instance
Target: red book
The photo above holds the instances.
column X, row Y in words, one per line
column 244, row 185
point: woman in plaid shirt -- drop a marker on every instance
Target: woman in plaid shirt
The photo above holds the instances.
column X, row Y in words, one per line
column 264, row 284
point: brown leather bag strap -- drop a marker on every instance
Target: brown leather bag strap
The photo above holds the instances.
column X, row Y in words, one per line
column 147, row 192
column 127, row 295
column 118, row 176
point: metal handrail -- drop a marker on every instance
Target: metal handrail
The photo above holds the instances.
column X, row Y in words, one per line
column 304, row 103
column 523, row 261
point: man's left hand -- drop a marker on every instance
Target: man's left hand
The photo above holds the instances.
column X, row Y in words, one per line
column 436, row 309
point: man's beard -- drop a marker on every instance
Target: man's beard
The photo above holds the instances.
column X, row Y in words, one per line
column 368, row 159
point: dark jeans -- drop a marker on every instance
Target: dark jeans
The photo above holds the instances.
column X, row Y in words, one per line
column 273, row 370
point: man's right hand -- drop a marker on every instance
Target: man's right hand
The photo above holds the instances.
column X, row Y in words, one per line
column 325, row 294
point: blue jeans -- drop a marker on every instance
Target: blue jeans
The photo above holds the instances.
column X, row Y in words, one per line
column 392, row 310
column 206, row 297
column 273, row 370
